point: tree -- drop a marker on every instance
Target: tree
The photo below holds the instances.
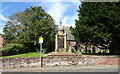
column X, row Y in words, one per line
column 26, row 27
column 99, row 24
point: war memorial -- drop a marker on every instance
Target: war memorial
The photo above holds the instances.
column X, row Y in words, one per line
column 60, row 57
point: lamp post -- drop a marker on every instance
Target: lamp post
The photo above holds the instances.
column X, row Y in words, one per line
column 41, row 54
column 41, row 41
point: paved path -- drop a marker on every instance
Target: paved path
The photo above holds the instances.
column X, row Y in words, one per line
column 113, row 68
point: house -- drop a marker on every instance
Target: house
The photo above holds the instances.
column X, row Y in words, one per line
column 1, row 42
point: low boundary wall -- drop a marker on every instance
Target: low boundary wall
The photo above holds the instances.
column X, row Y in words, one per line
column 59, row 60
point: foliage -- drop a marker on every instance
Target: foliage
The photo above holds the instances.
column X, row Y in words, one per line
column 26, row 27
column 67, row 46
column 99, row 24
column 13, row 49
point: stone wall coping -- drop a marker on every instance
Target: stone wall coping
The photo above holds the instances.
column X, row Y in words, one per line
column 114, row 56
column 61, row 56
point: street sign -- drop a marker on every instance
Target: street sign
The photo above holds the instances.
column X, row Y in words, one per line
column 40, row 40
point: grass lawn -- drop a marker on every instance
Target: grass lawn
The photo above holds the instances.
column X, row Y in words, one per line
column 30, row 54
column 37, row 54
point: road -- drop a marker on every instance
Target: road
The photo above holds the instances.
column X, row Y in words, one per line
column 100, row 68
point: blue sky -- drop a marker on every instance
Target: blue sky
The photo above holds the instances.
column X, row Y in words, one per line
column 60, row 11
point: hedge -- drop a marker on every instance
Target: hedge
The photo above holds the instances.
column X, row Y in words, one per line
column 13, row 49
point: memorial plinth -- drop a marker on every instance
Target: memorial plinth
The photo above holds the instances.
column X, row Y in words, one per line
column 60, row 44
column 60, row 41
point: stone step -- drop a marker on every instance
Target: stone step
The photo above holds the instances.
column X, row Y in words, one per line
column 62, row 53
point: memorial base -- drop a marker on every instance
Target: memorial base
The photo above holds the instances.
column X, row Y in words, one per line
column 64, row 54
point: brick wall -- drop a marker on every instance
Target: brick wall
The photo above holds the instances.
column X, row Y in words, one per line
column 1, row 42
column 59, row 60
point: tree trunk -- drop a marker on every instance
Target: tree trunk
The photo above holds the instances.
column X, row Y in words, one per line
column 93, row 50
column 86, row 49
column 115, row 47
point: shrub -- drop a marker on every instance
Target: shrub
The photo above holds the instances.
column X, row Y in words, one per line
column 13, row 49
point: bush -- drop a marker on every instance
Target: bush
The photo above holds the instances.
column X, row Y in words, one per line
column 13, row 49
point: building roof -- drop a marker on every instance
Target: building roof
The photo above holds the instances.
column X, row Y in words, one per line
column 68, row 32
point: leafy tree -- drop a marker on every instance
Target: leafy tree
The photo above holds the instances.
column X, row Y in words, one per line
column 99, row 23
column 26, row 27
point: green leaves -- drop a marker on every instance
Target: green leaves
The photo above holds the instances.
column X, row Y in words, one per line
column 13, row 49
column 27, row 26
column 98, row 23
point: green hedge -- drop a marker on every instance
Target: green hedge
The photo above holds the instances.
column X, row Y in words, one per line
column 13, row 49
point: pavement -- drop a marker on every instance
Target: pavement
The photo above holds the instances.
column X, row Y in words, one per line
column 97, row 68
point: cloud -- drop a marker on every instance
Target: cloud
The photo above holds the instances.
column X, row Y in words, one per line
column 1, row 30
column 61, row 10
column 3, row 13
column 57, row 10
column 69, row 20
column 2, row 23
column 64, row 12
column 1, row 27
column 3, row 18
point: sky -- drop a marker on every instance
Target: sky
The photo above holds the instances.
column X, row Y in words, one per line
column 66, row 12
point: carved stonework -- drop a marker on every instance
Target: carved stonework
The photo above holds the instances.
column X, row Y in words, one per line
column 60, row 41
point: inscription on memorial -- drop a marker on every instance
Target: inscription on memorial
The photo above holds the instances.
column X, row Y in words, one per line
column 60, row 42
